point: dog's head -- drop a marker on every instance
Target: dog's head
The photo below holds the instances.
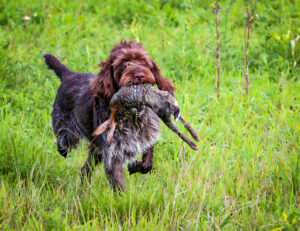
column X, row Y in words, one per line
column 128, row 64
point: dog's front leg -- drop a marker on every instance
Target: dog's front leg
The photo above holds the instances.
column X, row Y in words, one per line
column 143, row 166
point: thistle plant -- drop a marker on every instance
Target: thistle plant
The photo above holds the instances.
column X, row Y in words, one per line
column 250, row 20
column 215, row 10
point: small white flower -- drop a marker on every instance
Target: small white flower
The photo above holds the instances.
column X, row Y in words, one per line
column 26, row 18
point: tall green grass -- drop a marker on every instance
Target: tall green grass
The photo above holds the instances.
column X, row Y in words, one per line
column 246, row 172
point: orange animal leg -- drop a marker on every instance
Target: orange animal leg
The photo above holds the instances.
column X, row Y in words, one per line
column 111, row 123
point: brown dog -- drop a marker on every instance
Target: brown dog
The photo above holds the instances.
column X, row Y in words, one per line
column 82, row 104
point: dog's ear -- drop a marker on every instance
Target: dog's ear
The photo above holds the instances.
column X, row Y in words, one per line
column 162, row 83
column 103, row 85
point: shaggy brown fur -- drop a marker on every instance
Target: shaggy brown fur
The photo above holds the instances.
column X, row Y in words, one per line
column 82, row 104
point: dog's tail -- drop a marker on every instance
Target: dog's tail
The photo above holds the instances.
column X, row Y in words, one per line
column 53, row 63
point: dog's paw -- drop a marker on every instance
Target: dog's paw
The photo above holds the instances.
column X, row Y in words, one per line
column 63, row 152
column 132, row 167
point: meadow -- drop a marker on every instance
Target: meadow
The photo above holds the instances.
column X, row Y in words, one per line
column 245, row 175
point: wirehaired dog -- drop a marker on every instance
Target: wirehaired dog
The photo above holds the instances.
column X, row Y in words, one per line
column 82, row 104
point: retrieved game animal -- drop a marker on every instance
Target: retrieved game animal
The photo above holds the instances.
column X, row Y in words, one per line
column 130, row 99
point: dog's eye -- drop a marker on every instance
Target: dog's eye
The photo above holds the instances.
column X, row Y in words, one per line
column 143, row 63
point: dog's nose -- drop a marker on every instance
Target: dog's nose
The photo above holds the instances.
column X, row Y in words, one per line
column 139, row 75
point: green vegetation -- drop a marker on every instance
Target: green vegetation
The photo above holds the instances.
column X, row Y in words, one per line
column 246, row 174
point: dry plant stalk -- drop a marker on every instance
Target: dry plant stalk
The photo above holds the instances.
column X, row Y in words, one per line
column 247, row 33
column 216, row 8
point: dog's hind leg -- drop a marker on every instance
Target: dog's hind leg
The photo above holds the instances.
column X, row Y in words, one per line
column 66, row 140
column 94, row 156
column 66, row 132
column 143, row 166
